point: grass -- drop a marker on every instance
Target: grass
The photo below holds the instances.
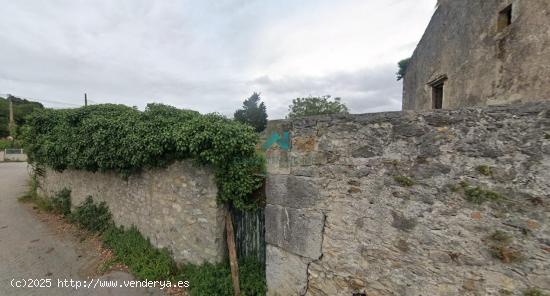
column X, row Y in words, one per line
column 136, row 252
column 32, row 197
column 403, row 181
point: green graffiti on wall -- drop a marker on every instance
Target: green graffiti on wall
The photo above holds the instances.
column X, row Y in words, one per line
column 282, row 141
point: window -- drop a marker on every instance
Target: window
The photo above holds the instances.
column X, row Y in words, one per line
column 437, row 96
column 505, row 18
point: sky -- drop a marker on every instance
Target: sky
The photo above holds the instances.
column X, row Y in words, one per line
column 209, row 55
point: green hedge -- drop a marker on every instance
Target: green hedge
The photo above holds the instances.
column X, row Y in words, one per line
column 123, row 139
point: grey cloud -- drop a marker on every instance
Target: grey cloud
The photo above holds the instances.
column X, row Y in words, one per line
column 365, row 90
column 205, row 55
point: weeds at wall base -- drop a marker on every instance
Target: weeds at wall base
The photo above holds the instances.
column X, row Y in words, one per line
column 145, row 261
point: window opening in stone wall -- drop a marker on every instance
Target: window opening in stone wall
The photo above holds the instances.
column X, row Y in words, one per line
column 505, row 18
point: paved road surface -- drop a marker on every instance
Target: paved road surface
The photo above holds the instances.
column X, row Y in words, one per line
column 30, row 249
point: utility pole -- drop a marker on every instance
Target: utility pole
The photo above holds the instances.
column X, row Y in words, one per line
column 12, row 121
column 85, row 99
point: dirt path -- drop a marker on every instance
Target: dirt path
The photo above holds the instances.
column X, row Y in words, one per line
column 31, row 249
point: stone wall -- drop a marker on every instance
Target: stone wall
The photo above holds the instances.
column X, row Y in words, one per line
column 484, row 65
column 175, row 207
column 404, row 203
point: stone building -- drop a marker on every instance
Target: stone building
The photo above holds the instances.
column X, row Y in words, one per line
column 480, row 53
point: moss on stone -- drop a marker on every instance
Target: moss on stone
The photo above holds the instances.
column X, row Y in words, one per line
column 485, row 170
column 533, row 292
column 404, row 181
column 500, row 236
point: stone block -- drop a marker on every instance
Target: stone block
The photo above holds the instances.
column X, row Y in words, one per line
column 297, row 231
column 286, row 273
column 291, row 191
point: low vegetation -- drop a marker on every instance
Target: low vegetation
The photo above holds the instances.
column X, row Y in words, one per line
column 215, row 279
column 144, row 260
column 92, row 216
column 61, row 202
column 136, row 252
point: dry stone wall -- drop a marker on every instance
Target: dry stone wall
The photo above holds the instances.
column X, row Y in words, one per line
column 434, row 203
column 175, row 206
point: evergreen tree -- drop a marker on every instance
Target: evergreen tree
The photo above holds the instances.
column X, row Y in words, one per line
column 253, row 113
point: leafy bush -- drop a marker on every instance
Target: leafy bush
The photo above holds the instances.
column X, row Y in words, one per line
column 125, row 140
column 91, row 216
column 61, row 202
column 136, row 252
column 215, row 279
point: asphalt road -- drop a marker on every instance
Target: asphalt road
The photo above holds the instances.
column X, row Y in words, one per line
column 30, row 249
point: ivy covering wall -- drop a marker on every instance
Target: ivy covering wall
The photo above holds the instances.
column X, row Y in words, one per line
column 125, row 140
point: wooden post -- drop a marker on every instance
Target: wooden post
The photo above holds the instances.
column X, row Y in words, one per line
column 85, row 99
column 232, row 253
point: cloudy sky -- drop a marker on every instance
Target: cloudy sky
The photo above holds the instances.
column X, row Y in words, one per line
column 208, row 55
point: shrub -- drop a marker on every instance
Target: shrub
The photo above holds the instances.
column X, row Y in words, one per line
column 125, row 140
column 136, row 252
column 91, row 216
column 61, row 202
column 215, row 279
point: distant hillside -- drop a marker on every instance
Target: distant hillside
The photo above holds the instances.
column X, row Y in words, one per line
column 21, row 108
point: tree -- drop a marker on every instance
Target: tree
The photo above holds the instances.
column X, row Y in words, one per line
column 21, row 108
column 252, row 113
column 316, row 106
column 403, row 65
